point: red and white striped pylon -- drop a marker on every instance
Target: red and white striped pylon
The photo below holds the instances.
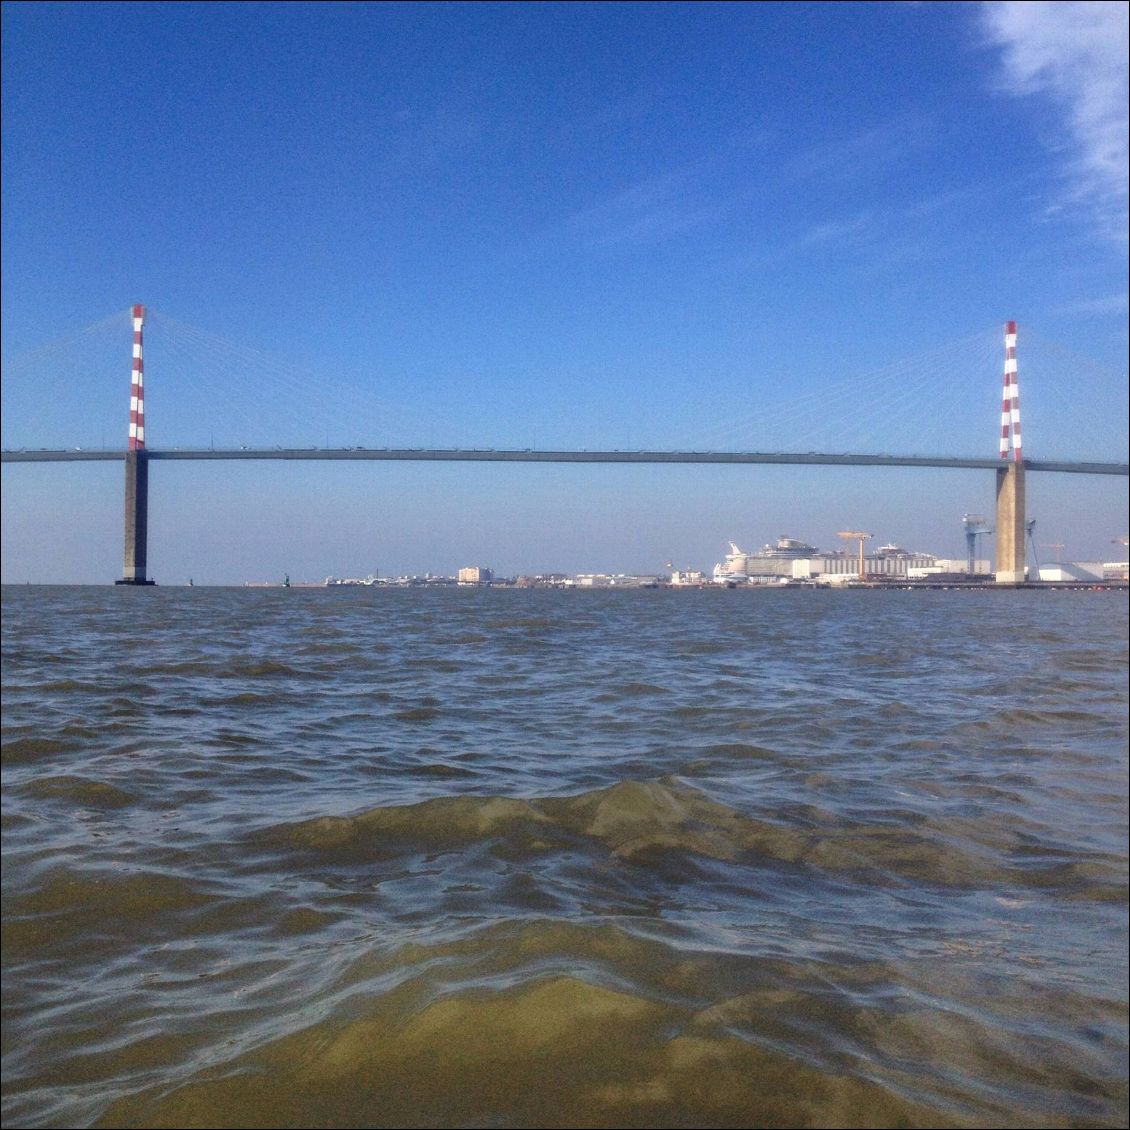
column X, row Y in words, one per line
column 1010, row 404
column 137, row 387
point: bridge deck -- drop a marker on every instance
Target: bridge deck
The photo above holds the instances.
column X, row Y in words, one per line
column 490, row 455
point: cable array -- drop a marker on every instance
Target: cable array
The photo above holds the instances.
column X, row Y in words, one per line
column 271, row 401
column 211, row 391
column 929, row 403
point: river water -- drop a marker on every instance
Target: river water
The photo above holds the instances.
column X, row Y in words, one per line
column 364, row 857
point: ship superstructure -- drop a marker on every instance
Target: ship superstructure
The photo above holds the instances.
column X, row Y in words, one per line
column 790, row 559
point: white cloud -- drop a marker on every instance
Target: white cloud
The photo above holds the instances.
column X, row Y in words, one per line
column 1106, row 304
column 1076, row 52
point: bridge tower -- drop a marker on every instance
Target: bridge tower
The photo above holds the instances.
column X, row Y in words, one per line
column 137, row 466
column 1010, row 476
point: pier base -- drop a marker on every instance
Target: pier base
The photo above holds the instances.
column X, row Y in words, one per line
column 1010, row 525
column 137, row 519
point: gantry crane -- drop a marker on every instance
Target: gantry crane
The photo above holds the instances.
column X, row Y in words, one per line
column 975, row 526
column 861, row 537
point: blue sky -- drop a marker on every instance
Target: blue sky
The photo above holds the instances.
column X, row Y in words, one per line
column 793, row 226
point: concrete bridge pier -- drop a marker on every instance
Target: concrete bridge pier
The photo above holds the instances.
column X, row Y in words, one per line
column 1010, row 524
column 137, row 518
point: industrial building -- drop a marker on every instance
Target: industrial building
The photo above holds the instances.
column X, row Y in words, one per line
column 475, row 575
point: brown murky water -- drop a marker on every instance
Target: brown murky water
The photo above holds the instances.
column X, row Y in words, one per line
column 462, row 858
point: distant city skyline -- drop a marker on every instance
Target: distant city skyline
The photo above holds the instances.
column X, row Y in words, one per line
column 555, row 225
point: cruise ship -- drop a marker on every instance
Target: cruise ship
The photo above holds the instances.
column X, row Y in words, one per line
column 792, row 559
column 770, row 561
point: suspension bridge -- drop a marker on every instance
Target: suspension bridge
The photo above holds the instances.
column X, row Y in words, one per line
column 1009, row 465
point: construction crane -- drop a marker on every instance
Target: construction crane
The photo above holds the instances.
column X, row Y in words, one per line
column 861, row 537
column 1029, row 529
column 975, row 526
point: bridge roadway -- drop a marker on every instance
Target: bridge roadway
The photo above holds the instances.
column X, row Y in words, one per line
column 527, row 455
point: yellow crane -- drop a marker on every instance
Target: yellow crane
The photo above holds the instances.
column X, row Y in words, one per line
column 861, row 537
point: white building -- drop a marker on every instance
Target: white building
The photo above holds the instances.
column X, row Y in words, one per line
column 475, row 575
column 1073, row 571
column 688, row 577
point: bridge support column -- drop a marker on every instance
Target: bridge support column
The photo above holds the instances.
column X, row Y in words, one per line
column 1010, row 524
column 137, row 518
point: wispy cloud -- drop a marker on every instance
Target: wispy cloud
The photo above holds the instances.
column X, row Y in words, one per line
column 890, row 234
column 862, row 153
column 1076, row 52
column 650, row 210
column 1104, row 304
column 699, row 193
column 838, row 231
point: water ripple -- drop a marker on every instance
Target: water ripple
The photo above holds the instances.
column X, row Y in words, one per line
column 520, row 858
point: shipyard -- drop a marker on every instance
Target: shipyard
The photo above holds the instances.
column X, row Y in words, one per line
column 787, row 562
